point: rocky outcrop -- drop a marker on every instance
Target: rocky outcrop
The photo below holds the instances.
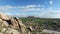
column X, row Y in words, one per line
column 12, row 31
column 8, row 31
column 12, row 22
column 4, row 16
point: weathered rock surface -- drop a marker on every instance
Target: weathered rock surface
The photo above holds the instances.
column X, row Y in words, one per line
column 4, row 16
column 8, row 31
column 1, row 33
column 13, row 23
column 12, row 31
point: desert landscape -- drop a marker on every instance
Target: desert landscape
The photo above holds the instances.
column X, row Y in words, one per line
column 29, row 16
column 28, row 25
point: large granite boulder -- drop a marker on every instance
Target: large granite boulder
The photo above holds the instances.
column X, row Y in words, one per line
column 8, row 31
column 12, row 22
column 4, row 16
column 12, row 31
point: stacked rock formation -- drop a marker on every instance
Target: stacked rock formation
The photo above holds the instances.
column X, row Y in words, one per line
column 12, row 22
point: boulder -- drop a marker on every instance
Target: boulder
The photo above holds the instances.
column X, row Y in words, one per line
column 3, row 23
column 12, row 31
column 4, row 16
column 12, row 22
column 8, row 31
column 1, row 33
column 18, row 24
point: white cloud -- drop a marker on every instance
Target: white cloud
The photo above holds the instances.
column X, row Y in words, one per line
column 40, row 11
column 6, row 7
column 22, row 8
column 8, row 13
column 31, row 6
column 51, row 14
column 51, row 2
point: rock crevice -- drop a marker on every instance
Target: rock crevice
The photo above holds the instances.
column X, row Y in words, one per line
column 12, row 22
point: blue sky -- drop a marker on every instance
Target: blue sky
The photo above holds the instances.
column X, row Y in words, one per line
column 38, row 8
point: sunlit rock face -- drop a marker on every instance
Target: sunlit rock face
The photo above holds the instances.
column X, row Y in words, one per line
column 4, row 16
column 12, row 23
